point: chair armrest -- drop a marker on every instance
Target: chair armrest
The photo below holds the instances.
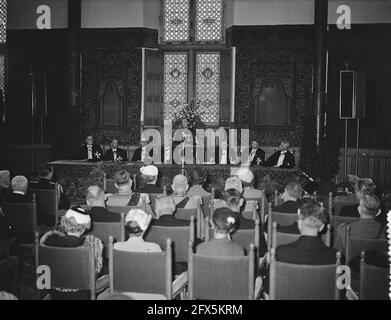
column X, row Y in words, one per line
column 179, row 283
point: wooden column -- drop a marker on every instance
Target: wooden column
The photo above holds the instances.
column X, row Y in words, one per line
column 74, row 56
column 321, row 12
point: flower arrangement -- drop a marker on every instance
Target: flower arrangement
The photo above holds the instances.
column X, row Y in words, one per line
column 191, row 112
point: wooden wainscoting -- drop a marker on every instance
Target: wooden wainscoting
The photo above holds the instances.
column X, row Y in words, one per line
column 372, row 163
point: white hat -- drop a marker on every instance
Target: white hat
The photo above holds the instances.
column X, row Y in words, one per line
column 149, row 170
column 140, row 217
column 80, row 215
column 245, row 174
column 233, row 183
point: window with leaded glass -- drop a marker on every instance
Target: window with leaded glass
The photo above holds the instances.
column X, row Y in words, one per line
column 175, row 82
column 3, row 21
column 176, row 20
column 209, row 20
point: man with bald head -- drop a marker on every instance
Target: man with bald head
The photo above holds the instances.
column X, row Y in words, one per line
column 165, row 208
column 282, row 158
column 180, row 185
column 95, row 198
column 19, row 193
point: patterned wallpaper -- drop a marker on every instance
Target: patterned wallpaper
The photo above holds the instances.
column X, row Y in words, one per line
column 113, row 56
column 272, row 49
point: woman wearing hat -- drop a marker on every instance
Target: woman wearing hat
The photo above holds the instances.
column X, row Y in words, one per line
column 74, row 224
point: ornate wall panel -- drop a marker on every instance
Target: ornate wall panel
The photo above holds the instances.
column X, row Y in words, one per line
column 176, row 20
column 283, row 53
column 208, row 85
column 3, row 21
column 113, row 56
column 175, row 82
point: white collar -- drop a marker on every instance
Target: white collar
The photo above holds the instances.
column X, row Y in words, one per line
column 19, row 192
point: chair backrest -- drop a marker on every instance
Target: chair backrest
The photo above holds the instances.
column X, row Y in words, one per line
column 280, row 238
column 141, row 272
column 47, row 202
column 354, row 246
column 221, row 278
column 374, row 281
column 303, row 282
column 253, row 213
column 21, row 216
column 103, row 230
column 120, row 209
column 180, row 237
column 70, row 268
column 187, row 214
column 338, row 220
column 338, row 205
column 242, row 237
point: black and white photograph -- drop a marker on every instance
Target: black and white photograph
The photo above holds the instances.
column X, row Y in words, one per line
column 208, row 152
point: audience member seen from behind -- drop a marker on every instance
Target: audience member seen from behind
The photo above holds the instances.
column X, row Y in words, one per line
column 165, row 208
column 366, row 227
column 246, row 176
column 224, row 222
column 364, row 186
column 95, row 199
column 198, row 178
column 309, row 248
column 124, row 195
column 20, row 192
column 291, row 196
column 149, row 176
column 74, row 224
column 136, row 223
column 180, row 186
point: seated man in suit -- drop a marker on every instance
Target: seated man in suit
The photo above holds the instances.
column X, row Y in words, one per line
column 45, row 183
column 90, row 151
column 257, row 155
column 136, row 223
column 225, row 222
column 366, row 227
column 282, row 158
column 198, row 177
column 20, row 192
column 165, row 208
column 95, row 199
column 180, row 186
column 149, row 176
column 124, row 196
column 362, row 187
column 292, row 195
column 115, row 153
column 4, row 184
column 309, row 248
column 138, row 153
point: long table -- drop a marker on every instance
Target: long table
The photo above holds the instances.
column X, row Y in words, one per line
column 75, row 176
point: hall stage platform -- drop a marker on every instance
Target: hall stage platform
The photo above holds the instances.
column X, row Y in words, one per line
column 76, row 176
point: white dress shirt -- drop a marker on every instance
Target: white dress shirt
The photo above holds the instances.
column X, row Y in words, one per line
column 280, row 159
column 89, row 152
column 115, row 154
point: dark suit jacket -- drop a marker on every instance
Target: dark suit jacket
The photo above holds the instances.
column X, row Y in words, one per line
column 96, row 150
column 45, row 184
column 19, row 198
column 148, row 188
column 288, row 207
column 109, row 155
column 169, row 221
column 100, row 214
column 306, row 250
column 5, row 229
column 289, row 160
column 259, row 158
